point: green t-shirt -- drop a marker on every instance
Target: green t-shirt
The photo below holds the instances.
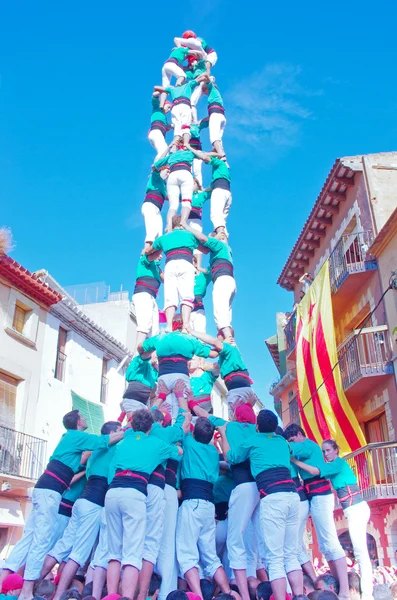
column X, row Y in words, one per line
column 157, row 113
column 310, row 453
column 172, row 344
column 199, row 461
column 223, row 488
column 73, row 443
column 100, row 461
column 172, row 434
column 186, row 156
column 201, row 283
column 148, row 268
column 214, row 95
column 75, row 490
column 198, row 70
column 264, row 450
column 230, row 360
column 142, row 371
column 138, row 451
column 179, row 54
column 200, row 198
column 203, row 384
column 220, row 170
column 197, row 128
column 156, row 184
column 236, row 432
column 218, row 249
column 339, row 473
column 182, row 91
column 177, row 238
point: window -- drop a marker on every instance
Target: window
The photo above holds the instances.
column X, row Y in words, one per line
column 21, row 315
column 104, row 381
column 61, row 356
column 294, row 411
column 8, row 398
column 92, row 412
column 376, row 429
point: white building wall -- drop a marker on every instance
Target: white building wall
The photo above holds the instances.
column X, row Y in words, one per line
column 116, row 318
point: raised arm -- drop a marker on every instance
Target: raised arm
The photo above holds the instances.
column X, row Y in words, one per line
column 201, row 237
column 144, row 355
column 208, row 339
column 160, row 89
column 205, row 156
column 224, row 443
column 305, row 467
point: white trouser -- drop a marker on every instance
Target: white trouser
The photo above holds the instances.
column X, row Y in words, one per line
column 196, row 224
column 195, row 537
column 197, row 170
column 357, row 517
column 62, row 549
column 242, row 503
column 198, row 320
column 322, row 512
column 155, row 506
column 61, row 524
column 129, row 405
column 279, row 517
column 147, row 313
column 32, row 548
column 221, row 548
column 170, row 380
column 126, row 521
column 216, row 125
column 170, row 70
column 101, row 555
column 223, row 293
column 178, row 283
column 88, row 518
column 192, row 43
column 212, row 58
column 304, row 509
column 181, row 117
column 180, row 183
column 221, row 201
column 238, row 396
column 251, row 540
column 196, row 94
column 153, row 221
column 158, row 141
column 166, row 560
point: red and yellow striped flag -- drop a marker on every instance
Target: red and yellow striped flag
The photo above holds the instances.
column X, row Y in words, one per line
column 328, row 414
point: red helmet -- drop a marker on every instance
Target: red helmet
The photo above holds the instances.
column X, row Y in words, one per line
column 188, row 34
column 191, row 58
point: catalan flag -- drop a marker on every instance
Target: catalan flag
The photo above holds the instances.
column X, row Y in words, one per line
column 324, row 409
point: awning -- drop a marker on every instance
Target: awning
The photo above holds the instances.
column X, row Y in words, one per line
column 11, row 514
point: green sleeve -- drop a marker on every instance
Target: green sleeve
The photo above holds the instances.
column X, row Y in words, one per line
column 212, row 244
column 208, row 276
column 157, row 244
column 149, row 345
column 89, row 441
column 299, row 451
column 175, row 433
column 169, row 89
column 214, row 160
column 204, row 123
column 161, row 162
column 155, row 102
column 193, row 84
column 201, row 349
column 238, row 454
column 330, row 469
column 167, row 451
column 217, row 421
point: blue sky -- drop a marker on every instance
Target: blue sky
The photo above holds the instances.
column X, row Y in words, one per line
column 303, row 83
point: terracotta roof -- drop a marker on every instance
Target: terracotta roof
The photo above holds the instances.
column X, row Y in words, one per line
column 27, row 282
column 340, row 178
column 272, row 346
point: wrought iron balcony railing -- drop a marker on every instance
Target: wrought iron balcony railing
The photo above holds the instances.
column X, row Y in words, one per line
column 289, row 331
column 349, row 256
column 21, row 455
column 365, row 354
column 375, row 466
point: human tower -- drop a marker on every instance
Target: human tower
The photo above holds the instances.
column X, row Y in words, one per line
column 165, row 498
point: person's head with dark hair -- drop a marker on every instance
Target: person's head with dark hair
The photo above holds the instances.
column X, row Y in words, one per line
column 109, row 427
column 176, row 221
column 327, row 582
column 314, row 595
column 226, row 596
column 142, row 420
column 207, row 589
column 177, row 595
column 294, row 433
column 327, row 595
column 158, row 416
column 308, row 584
column 203, row 430
column 382, row 592
column 74, row 420
column 154, row 586
column 279, row 431
column 264, row 590
column 234, row 588
column 70, row 594
column 45, row 589
column 300, row 597
column 266, row 421
column 87, row 590
column 354, row 585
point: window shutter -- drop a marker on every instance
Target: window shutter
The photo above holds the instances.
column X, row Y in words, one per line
column 92, row 412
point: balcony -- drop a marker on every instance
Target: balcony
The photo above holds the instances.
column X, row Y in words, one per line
column 375, row 466
column 289, row 331
column 21, row 455
column 363, row 357
column 350, row 266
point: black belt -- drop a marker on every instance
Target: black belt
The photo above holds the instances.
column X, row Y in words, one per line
column 181, row 166
column 157, row 478
column 349, row 495
column 300, row 489
column 221, row 266
column 197, row 489
column 156, row 199
column 317, row 486
column 237, row 379
column 170, row 472
column 65, row 507
column 137, row 391
column 137, row 480
column 173, row 364
column 221, row 509
column 95, row 489
column 179, row 254
column 221, row 183
column 242, row 472
column 147, row 284
column 160, row 126
column 274, row 480
column 56, row 477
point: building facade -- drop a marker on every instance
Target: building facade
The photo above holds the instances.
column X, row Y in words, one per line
column 352, row 225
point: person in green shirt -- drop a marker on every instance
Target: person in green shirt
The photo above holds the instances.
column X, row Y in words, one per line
column 155, row 196
column 216, row 115
column 202, row 280
column 141, row 376
column 195, row 68
column 199, row 198
column 202, row 384
column 159, row 124
column 173, row 65
column 47, row 493
column 149, row 277
column 135, row 459
column 321, row 500
column 356, row 510
column 195, row 142
column 190, row 40
column 269, row 456
column 178, row 246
